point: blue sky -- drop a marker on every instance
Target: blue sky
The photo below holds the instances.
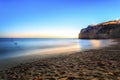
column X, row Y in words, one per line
column 53, row 18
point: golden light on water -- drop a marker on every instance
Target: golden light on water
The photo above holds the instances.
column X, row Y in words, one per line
column 96, row 43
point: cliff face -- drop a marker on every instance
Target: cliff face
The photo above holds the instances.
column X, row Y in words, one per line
column 106, row 30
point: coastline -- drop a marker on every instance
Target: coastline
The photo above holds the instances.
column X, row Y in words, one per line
column 91, row 64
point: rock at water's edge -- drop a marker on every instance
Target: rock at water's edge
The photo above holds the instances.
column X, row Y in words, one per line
column 106, row 30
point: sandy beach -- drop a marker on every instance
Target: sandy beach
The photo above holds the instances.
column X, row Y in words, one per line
column 95, row 64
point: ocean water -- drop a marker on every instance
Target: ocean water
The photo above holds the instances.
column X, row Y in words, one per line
column 16, row 47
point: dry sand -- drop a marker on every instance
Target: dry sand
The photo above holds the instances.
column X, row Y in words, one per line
column 100, row 64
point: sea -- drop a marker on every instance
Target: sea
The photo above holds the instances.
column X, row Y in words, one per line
column 15, row 51
column 19, row 47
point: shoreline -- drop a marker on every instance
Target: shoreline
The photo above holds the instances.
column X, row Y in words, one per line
column 49, row 53
column 91, row 64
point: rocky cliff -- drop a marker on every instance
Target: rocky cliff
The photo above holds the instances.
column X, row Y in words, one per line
column 105, row 30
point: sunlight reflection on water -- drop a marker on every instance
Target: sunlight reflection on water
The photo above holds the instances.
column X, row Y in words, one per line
column 26, row 47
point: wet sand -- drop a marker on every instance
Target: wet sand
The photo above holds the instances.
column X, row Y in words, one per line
column 99, row 64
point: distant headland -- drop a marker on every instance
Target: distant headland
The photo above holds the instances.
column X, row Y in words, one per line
column 105, row 30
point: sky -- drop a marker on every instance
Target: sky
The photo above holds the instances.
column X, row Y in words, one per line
column 53, row 18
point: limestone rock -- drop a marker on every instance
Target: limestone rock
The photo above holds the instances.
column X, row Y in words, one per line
column 105, row 30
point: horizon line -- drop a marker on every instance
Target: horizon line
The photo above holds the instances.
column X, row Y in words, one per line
column 38, row 37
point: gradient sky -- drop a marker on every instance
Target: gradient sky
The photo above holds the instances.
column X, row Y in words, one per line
column 53, row 18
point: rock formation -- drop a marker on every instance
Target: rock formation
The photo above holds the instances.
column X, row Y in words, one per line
column 105, row 30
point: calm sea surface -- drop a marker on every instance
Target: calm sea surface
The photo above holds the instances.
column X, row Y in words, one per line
column 16, row 47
